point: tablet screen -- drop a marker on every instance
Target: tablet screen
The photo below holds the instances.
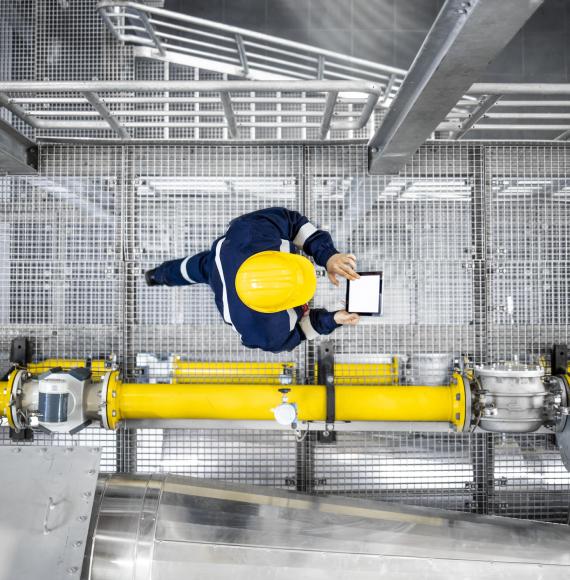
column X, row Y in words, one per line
column 364, row 296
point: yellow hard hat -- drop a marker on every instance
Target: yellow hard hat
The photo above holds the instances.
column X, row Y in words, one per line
column 275, row 281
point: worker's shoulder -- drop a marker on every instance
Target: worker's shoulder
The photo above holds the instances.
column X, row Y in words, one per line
column 260, row 330
column 267, row 216
column 251, row 231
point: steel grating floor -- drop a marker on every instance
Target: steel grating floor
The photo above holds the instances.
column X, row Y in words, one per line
column 473, row 240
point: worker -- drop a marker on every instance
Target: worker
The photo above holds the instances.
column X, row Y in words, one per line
column 261, row 286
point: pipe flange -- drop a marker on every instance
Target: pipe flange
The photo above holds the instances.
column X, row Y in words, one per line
column 468, row 402
column 461, row 402
column 108, row 403
column 563, row 432
column 11, row 399
column 562, row 380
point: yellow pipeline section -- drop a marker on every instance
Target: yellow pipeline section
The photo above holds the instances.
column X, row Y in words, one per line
column 255, row 401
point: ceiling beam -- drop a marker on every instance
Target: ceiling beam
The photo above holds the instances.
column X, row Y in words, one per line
column 463, row 40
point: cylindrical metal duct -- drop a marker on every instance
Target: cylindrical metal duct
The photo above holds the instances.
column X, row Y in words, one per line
column 166, row 528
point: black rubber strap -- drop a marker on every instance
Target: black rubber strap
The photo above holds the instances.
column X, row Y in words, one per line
column 326, row 378
column 559, row 359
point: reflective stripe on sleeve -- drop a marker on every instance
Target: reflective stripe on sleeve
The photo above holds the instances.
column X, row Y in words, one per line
column 304, row 234
column 307, row 328
column 184, row 271
column 226, row 308
column 292, row 318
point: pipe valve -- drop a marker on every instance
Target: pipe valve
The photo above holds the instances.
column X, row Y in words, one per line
column 286, row 413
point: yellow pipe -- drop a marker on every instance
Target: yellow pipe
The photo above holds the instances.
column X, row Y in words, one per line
column 255, row 402
column 188, row 372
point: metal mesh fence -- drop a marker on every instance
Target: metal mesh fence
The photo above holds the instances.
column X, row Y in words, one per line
column 528, row 250
column 418, row 229
column 76, row 238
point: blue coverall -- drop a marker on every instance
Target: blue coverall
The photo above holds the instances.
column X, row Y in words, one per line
column 277, row 229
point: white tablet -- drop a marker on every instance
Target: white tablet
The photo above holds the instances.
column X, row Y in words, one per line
column 364, row 296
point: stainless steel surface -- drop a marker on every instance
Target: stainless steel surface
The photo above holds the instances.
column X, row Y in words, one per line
column 44, row 519
column 454, row 54
column 164, row 527
column 512, row 399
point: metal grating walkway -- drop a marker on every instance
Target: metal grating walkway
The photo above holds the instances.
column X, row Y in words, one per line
column 474, row 242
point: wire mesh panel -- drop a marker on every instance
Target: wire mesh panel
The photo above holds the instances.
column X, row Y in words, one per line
column 529, row 480
column 528, row 253
column 418, row 229
column 52, row 40
column 243, row 456
column 105, row 440
column 454, row 235
column 72, row 43
column 180, row 200
column 62, row 273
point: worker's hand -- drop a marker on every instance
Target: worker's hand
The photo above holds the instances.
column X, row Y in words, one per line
column 343, row 317
column 344, row 265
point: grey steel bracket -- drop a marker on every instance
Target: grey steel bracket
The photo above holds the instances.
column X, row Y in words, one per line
column 18, row 154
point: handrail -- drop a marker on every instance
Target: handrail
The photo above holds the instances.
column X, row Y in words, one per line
column 210, row 45
column 105, row 5
column 552, row 115
column 121, row 106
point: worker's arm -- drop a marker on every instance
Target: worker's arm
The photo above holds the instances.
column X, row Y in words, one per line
column 184, row 271
column 320, row 322
column 317, row 322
